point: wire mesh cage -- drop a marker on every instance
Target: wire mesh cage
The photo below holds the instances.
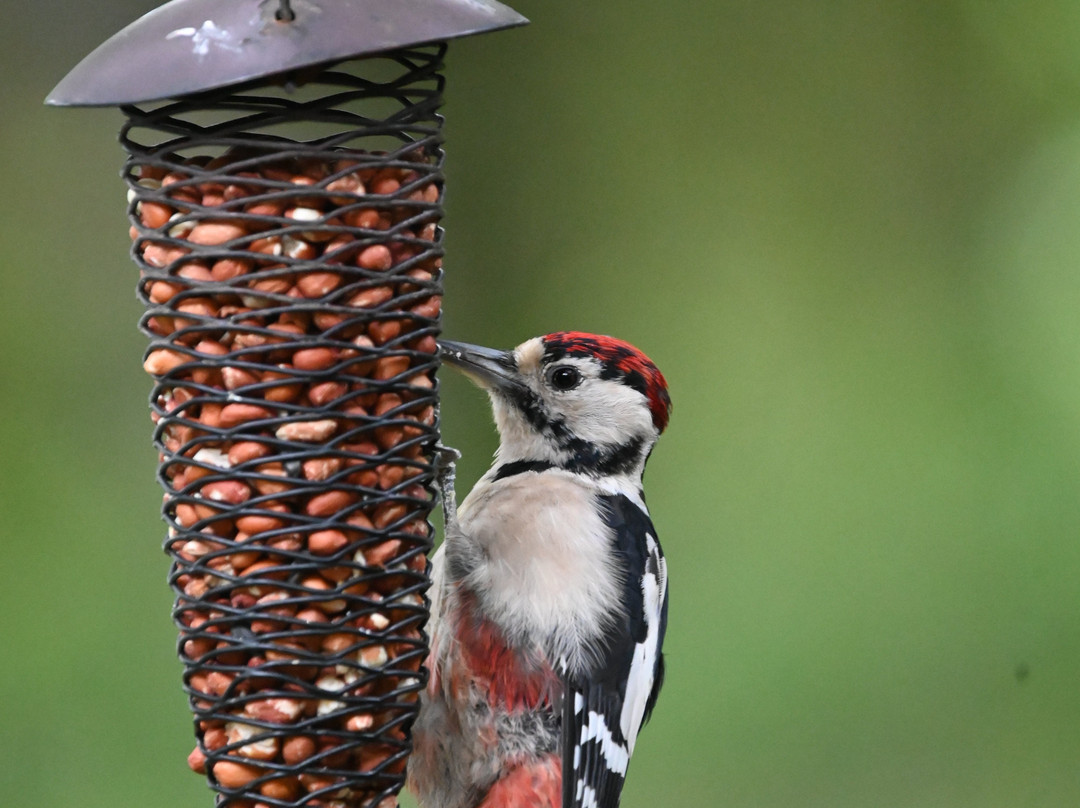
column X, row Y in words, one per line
column 285, row 199
column 293, row 291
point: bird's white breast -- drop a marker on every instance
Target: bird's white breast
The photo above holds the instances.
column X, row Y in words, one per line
column 546, row 575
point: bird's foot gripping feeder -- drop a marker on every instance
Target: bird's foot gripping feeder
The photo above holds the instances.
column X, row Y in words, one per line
column 286, row 229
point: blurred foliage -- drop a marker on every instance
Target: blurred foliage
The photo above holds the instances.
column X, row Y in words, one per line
column 846, row 231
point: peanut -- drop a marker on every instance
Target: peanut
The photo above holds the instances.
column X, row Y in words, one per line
column 307, row 431
column 197, row 761
column 274, row 710
column 383, row 331
column 260, row 748
column 297, row 749
column 313, row 358
column 246, row 451
column 235, row 775
column 329, row 502
column 233, row 492
column 253, row 525
column 324, row 393
column 236, row 414
column 371, row 297
column 225, row 269
column 318, row 284
column 377, row 257
column 390, row 366
column 322, row 468
column 283, row 789
column 327, row 542
column 214, row 233
column 161, row 361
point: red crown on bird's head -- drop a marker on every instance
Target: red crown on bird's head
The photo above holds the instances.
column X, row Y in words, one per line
column 619, row 360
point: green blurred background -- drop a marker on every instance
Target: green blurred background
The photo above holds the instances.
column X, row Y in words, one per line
column 847, row 231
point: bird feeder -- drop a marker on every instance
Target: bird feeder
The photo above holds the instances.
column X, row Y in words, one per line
column 284, row 174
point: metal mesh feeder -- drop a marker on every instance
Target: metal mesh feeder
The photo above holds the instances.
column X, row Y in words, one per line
column 286, row 229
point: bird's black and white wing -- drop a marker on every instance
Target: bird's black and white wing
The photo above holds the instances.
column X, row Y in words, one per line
column 604, row 708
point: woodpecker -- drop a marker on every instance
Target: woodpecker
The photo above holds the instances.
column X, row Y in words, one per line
column 549, row 594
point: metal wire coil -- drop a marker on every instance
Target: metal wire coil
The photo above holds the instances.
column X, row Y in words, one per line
column 293, row 287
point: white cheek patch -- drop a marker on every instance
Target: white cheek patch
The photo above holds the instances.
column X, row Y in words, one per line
column 603, row 412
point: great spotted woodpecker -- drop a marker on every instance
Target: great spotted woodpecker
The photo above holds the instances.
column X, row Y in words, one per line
column 549, row 596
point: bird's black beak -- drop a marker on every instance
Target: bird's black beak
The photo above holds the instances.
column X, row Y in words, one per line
column 487, row 367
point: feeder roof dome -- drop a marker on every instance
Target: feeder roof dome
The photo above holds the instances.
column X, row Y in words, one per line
column 188, row 46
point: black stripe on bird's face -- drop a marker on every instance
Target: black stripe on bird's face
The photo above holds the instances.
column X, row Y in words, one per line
column 500, row 374
column 607, row 461
column 576, row 455
column 516, row 467
column 583, row 459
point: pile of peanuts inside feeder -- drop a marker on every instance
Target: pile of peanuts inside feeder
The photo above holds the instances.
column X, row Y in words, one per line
column 294, row 304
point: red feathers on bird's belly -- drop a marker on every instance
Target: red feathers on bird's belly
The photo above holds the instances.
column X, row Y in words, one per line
column 530, row 785
column 513, row 680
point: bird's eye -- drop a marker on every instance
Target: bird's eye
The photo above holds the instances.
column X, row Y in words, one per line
column 564, row 378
